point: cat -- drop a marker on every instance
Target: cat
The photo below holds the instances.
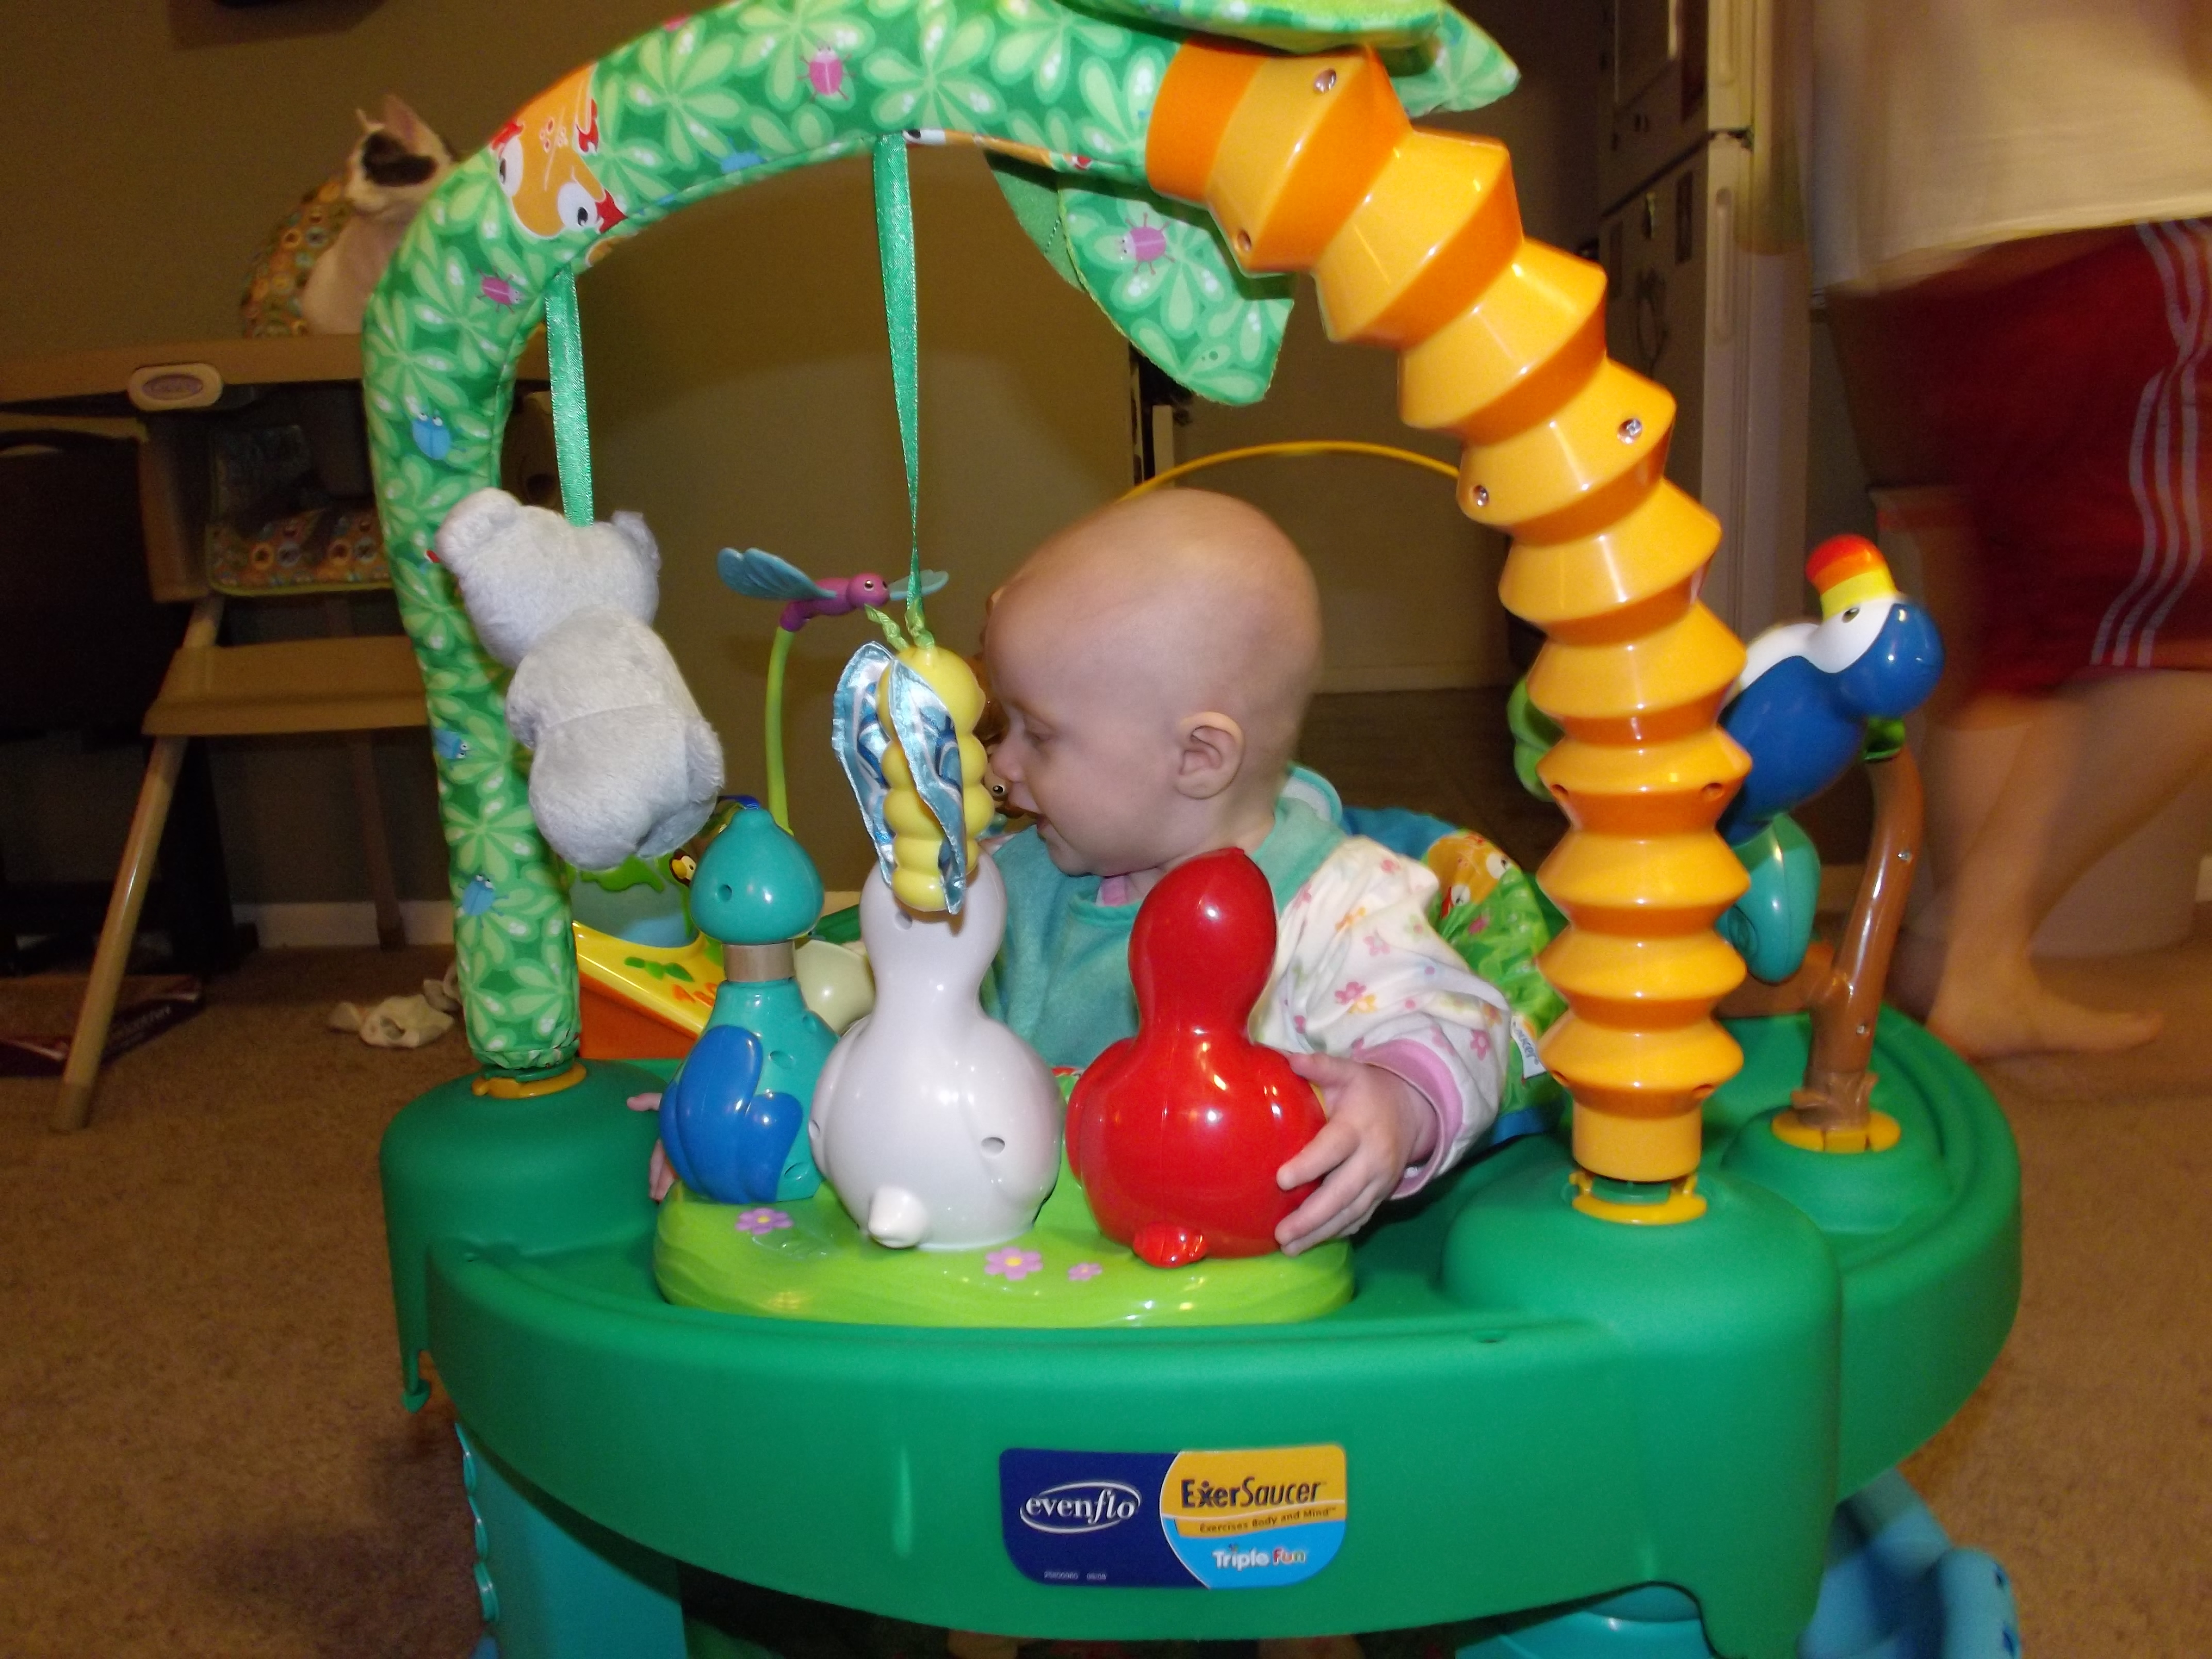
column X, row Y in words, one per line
column 316, row 275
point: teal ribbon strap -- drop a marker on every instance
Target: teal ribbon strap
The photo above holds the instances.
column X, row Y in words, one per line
column 572, row 423
column 895, row 247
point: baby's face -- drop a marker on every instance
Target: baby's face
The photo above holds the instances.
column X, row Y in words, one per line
column 1087, row 748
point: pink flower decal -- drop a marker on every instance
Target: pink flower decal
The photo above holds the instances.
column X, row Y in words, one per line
column 1349, row 992
column 1014, row 1266
column 1389, row 867
column 762, row 1220
column 1375, row 947
column 1083, row 1270
column 1480, row 1041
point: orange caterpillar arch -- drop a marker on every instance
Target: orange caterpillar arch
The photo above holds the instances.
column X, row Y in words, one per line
column 1414, row 241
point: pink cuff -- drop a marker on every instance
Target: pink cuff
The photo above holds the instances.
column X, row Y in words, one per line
column 1417, row 1064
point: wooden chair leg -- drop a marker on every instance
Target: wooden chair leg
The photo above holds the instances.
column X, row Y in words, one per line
column 82, row 1070
column 376, row 844
column 375, row 839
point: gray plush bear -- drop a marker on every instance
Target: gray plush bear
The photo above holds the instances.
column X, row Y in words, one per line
column 624, row 762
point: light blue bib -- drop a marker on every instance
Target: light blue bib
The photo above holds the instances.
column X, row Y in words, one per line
column 1062, row 980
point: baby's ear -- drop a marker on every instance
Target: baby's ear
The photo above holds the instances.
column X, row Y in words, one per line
column 1212, row 755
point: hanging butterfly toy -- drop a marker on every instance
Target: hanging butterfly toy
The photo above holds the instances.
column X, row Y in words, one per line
column 903, row 723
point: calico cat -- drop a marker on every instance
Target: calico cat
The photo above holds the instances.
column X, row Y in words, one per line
column 316, row 276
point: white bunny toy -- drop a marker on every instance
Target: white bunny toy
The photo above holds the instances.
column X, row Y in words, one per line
column 937, row 1125
column 624, row 762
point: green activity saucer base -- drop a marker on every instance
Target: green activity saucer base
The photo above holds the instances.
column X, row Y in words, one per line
column 1534, row 1408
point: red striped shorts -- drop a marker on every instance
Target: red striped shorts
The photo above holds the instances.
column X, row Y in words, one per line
column 2070, row 408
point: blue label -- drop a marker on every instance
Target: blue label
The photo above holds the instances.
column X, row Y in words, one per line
column 1213, row 1520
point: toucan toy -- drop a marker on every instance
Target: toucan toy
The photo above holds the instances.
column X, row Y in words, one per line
column 1807, row 690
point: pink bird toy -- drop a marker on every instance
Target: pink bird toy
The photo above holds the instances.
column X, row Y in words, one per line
column 763, row 576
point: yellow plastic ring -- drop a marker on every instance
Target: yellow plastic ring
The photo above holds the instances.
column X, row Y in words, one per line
column 1294, row 449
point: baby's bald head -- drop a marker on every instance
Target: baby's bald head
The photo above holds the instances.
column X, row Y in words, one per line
column 1203, row 592
column 1173, row 641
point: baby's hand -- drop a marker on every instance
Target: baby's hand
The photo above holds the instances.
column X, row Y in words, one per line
column 1378, row 1124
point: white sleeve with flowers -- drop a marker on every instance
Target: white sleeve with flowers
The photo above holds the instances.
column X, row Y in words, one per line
column 1359, row 974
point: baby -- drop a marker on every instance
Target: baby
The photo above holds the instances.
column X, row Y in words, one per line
column 1153, row 663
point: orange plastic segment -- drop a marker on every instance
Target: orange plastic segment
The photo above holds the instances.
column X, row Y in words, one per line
column 1656, row 883
column 1539, row 306
column 1636, row 1073
column 1438, row 226
column 1691, row 659
column 1613, row 981
column 1658, row 726
column 1617, row 422
column 1303, row 148
column 1664, row 540
column 1660, row 789
column 1204, row 84
column 1657, row 1148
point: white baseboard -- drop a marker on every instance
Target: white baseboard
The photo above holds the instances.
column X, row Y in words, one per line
column 324, row 926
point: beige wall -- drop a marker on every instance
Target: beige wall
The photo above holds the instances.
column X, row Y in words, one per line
column 739, row 388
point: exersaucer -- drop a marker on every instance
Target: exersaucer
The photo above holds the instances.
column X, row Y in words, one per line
column 1607, row 1387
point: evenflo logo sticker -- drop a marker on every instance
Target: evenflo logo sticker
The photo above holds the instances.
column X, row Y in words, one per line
column 1213, row 1520
column 1077, row 1506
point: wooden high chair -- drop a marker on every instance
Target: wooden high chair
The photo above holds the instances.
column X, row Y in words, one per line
column 343, row 683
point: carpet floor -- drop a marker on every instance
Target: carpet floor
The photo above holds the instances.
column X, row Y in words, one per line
column 202, row 1452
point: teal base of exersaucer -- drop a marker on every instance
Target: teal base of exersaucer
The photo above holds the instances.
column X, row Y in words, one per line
column 1537, row 1409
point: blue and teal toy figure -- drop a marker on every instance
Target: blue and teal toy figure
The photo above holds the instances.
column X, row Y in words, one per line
column 1812, row 698
column 733, row 1119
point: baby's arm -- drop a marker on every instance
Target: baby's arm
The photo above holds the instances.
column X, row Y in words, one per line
column 1404, row 1042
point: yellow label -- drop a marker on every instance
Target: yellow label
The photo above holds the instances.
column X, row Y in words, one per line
column 1223, row 1494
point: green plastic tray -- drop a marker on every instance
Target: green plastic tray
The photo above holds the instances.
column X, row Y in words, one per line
column 1535, row 1406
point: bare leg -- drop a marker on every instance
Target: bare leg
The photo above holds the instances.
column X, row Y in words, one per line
column 2098, row 761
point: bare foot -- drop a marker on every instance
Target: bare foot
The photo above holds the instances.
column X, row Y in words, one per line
column 1916, row 972
column 1997, row 1009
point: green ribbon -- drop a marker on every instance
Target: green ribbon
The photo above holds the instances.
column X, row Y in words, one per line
column 572, row 423
column 895, row 247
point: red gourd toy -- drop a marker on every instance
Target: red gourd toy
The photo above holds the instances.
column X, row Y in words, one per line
column 1176, row 1133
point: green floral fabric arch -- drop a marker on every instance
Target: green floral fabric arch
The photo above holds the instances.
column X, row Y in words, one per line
column 706, row 103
